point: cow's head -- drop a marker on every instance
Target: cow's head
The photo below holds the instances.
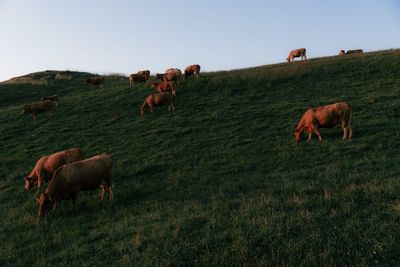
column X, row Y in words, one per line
column 298, row 132
column 28, row 181
column 44, row 202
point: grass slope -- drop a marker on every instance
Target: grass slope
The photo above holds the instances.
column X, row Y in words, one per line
column 219, row 181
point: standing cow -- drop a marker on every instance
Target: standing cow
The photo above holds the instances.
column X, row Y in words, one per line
column 95, row 80
column 172, row 74
column 160, row 99
column 69, row 179
column 47, row 165
column 38, row 107
column 325, row 117
column 301, row 52
column 192, row 70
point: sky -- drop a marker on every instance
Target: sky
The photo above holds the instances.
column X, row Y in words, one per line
column 122, row 36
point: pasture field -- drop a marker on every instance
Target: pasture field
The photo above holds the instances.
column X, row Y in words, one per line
column 218, row 182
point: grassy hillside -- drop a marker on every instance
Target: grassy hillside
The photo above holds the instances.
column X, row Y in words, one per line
column 218, row 182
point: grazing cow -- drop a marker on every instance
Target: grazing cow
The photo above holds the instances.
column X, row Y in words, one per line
column 47, row 165
column 172, row 75
column 53, row 98
column 95, row 80
column 160, row 76
column 341, row 53
column 355, row 51
column 325, row 117
column 192, row 70
column 38, row 107
column 164, row 86
column 137, row 78
column 301, row 52
column 159, row 99
column 69, row 179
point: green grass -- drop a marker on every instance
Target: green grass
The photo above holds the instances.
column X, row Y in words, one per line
column 218, row 182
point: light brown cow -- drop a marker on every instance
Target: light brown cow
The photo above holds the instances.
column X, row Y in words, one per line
column 53, row 98
column 95, row 80
column 38, row 107
column 192, row 70
column 69, row 179
column 301, row 52
column 159, row 99
column 172, row 75
column 47, row 165
column 164, row 87
column 325, row 117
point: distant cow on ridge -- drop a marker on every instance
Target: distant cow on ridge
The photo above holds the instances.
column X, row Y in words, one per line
column 53, row 98
column 139, row 77
column 192, row 70
column 95, row 80
column 325, row 117
column 301, row 52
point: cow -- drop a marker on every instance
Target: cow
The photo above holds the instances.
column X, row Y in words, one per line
column 137, row 78
column 342, row 52
column 158, row 99
column 47, row 165
column 53, row 98
column 38, row 107
column 301, row 52
column 192, row 70
column 144, row 73
column 325, row 117
column 163, row 87
column 95, row 80
column 355, row 51
column 172, row 75
column 160, row 76
column 69, row 179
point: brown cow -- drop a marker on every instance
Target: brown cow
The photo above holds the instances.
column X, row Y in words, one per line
column 159, row 99
column 172, row 75
column 355, row 51
column 160, row 76
column 145, row 73
column 301, row 52
column 137, row 78
column 38, row 107
column 47, row 165
column 53, row 98
column 325, row 117
column 341, row 53
column 95, row 80
column 192, row 70
column 164, row 87
column 69, row 179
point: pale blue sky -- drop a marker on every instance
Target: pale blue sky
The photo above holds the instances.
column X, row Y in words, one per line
column 126, row 36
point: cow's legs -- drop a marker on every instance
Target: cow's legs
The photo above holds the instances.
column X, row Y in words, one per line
column 316, row 131
column 101, row 192
column 309, row 136
column 350, row 131
column 110, row 190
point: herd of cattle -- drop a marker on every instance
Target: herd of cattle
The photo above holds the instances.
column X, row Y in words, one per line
column 67, row 172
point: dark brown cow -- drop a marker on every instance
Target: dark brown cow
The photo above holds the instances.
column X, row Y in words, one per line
column 53, row 98
column 95, row 80
column 325, row 117
column 342, row 53
column 160, row 76
column 38, row 107
column 137, row 78
column 144, row 73
column 69, row 179
column 164, row 87
column 355, row 51
column 192, row 70
column 172, row 75
column 160, row 99
column 301, row 52
column 47, row 165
